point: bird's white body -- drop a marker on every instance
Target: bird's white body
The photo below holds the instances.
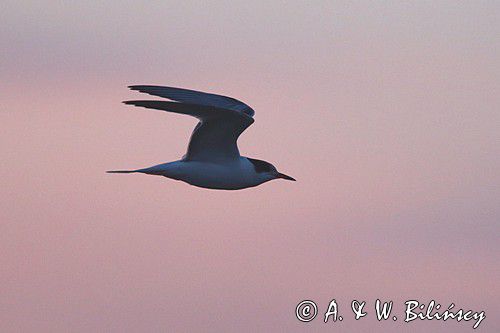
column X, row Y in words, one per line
column 212, row 159
column 224, row 175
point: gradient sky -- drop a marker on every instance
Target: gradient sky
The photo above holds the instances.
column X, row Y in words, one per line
column 387, row 113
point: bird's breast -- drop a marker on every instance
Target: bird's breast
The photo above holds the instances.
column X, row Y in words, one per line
column 235, row 174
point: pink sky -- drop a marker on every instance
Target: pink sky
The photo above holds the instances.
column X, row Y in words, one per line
column 386, row 113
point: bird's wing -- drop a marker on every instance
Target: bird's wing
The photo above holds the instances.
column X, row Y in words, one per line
column 196, row 97
column 214, row 137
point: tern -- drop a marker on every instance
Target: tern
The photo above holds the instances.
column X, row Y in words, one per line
column 212, row 160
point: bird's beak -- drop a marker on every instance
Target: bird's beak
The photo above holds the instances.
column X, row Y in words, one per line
column 282, row 175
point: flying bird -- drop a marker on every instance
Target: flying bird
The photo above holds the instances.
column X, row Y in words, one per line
column 212, row 160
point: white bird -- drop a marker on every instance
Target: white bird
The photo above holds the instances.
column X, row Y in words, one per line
column 212, row 160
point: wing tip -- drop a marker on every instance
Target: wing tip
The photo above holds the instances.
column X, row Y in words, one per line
column 140, row 87
column 138, row 103
column 135, row 87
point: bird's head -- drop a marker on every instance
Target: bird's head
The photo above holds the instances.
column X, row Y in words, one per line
column 268, row 171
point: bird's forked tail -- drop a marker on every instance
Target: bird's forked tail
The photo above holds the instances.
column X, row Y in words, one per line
column 121, row 171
